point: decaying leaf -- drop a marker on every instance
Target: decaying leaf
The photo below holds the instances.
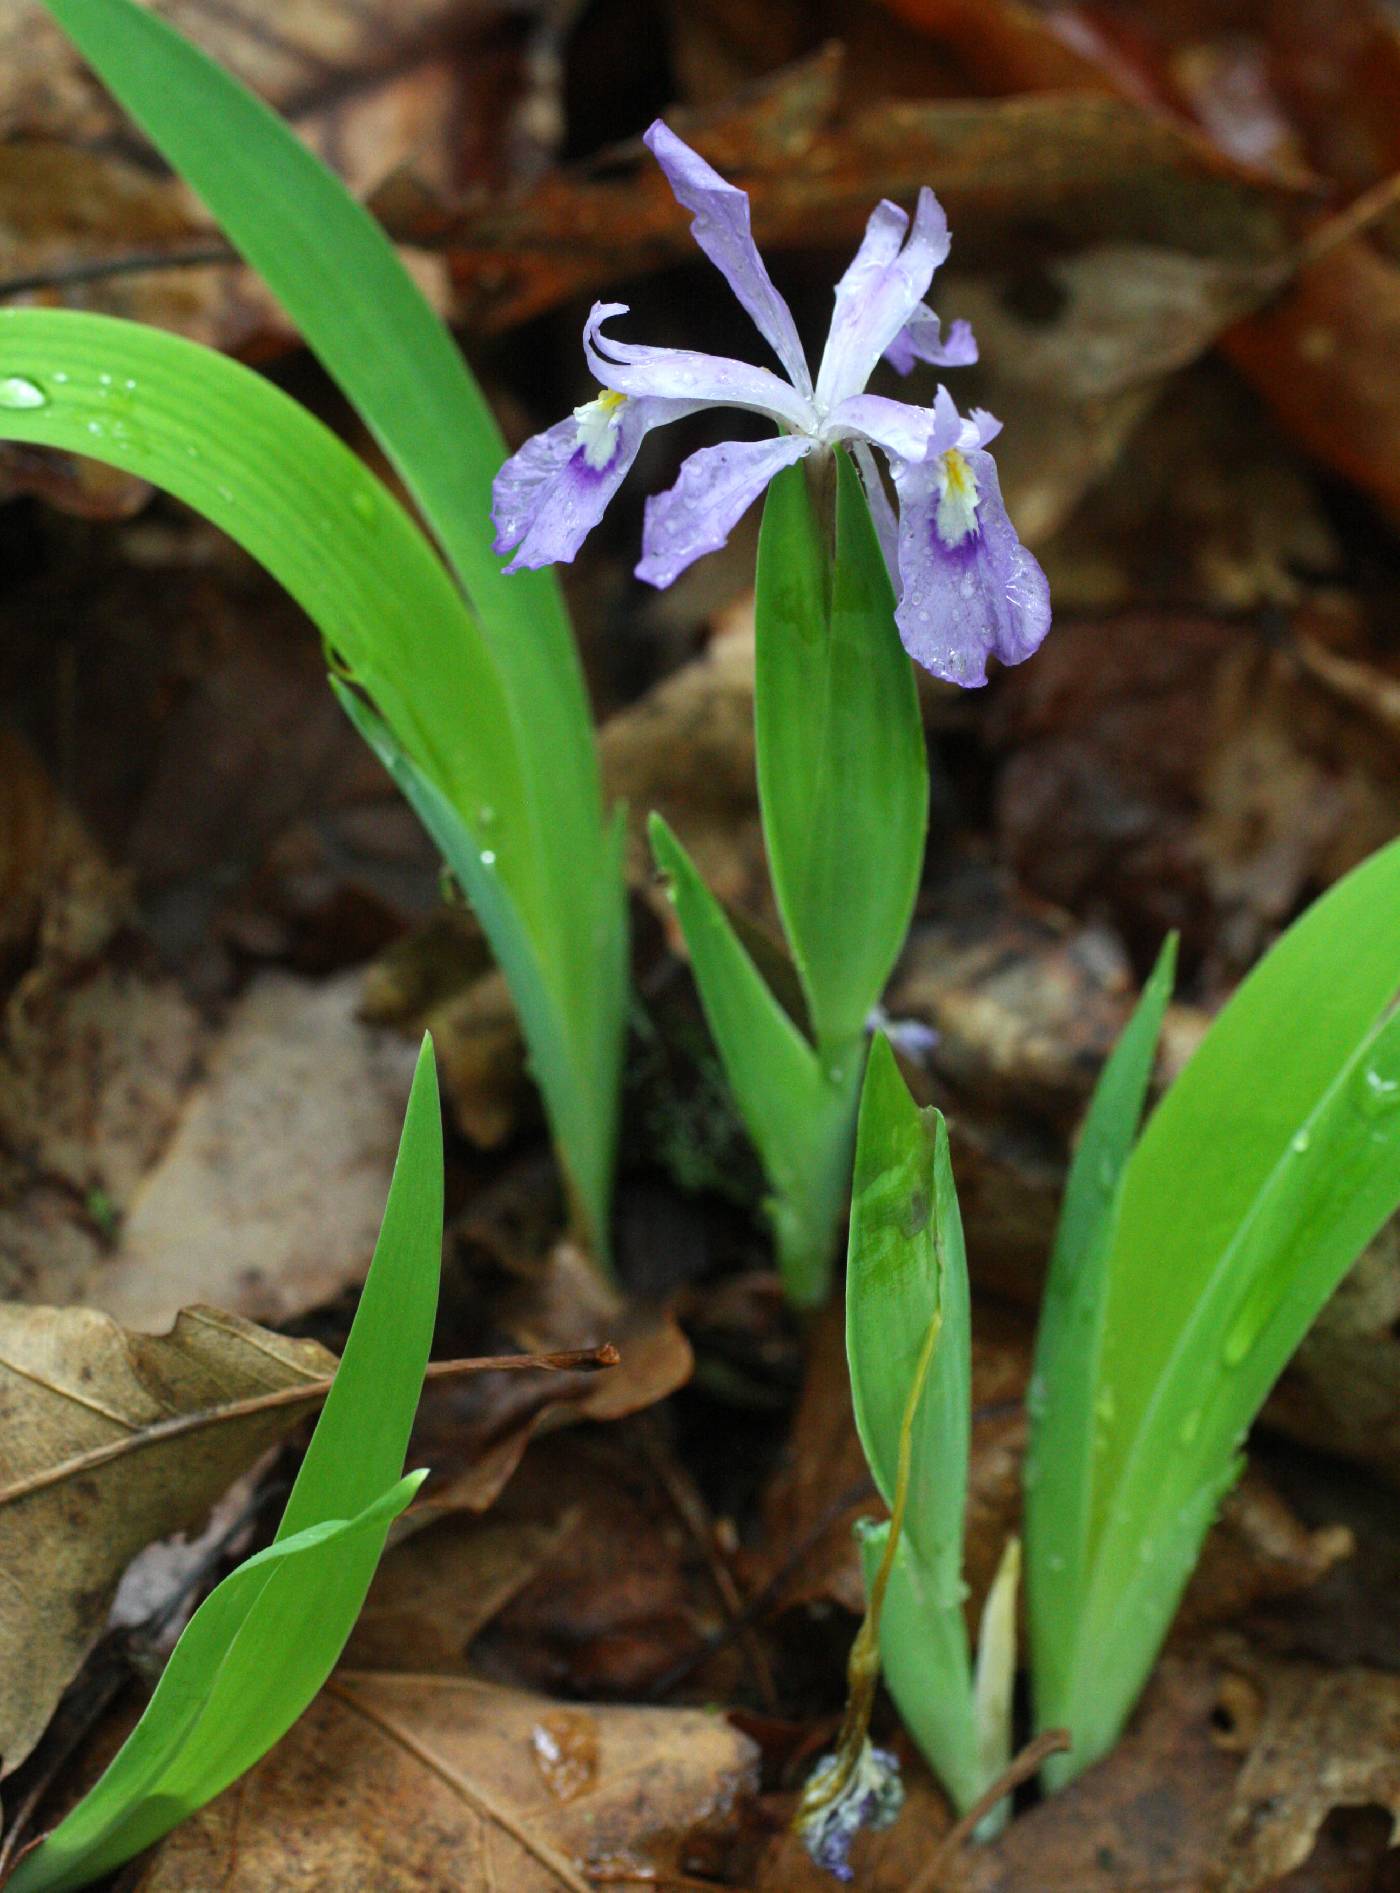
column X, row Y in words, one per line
column 406, row 1782
column 1321, row 1740
column 268, row 1197
column 89, row 1473
column 475, row 1432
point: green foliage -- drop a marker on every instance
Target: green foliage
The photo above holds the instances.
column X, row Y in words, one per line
column 842, row 770
column 843, row 785
column 1066, row 1433
column 1269, row 1165
column 502, row 682
column 261, row 1645
column 796, row 1110
column 906, row 1281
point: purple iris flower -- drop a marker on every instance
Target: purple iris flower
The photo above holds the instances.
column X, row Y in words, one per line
column 967, row 588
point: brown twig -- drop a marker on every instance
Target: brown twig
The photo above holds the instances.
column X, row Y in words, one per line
column 303, row 1393
column 690, row 1507
column 1026, row 1764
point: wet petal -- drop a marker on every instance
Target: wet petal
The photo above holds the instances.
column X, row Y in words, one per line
column 922, row 340
column 686, row 375
column 716, row 488
column 550, row 495
column 896, row 426
column 885, row 283
column 982, row 594
column 881, row 510
column 721, row 227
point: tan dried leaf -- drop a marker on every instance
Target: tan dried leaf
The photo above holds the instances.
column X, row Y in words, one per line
column 91, row 1468
column 1325, row 1739
column 406, row 1782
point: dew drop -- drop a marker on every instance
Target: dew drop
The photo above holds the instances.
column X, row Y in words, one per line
column 18, row 391
column 488, row 857
column 362, row 503
column 486, row 816
column 1301, row 1141
column 1056, row 1562
column 1379, row 1094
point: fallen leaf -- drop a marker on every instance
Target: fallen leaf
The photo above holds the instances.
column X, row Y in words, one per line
column 93, row 1471
column 1071, row 165
column 1321, row 1740
column 85, row 216
column 474, row 1433
column 268, row 1197
column 406, row 1782
column 442, row 1584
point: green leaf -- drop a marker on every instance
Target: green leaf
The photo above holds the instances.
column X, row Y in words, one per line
column 797, row 1110
column 1059, row 1462
column 261, row 1645
column 906, row 1265
column 570, row 1080
column 362, row 315
column 1266, row 1169
column 842, row 769
column 243, row 454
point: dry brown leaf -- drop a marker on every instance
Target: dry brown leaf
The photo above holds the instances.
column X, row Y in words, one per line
column 268, row 1197
column 1321, row 1740
column 83, row 212
column 402, row 1783
column 88, row 1475
column 475, row 1433
column 1075, row 165
column 436, row 1589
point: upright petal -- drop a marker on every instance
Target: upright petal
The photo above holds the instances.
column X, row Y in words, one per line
column 720, row 213
column 970, row 588
column 550, row 495
column 886, row 281
column 683, row 374
column 922, row 340
column 716, row 488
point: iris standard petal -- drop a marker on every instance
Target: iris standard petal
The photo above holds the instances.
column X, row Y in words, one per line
column 550, row 495
column 687, row 375
column 721, row 226
column 922, row 340
column 900, row 428
column 886, row 281
column 970, row 589
column 716, row 488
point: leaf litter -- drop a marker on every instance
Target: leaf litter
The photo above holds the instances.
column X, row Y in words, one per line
column 1177, row 237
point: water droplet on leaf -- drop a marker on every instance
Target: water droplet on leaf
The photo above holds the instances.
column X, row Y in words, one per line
column 18, row 391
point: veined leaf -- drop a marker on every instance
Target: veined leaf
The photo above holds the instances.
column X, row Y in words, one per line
column 261, row 1645
column 362, row 315
column 242, row 453
column 1060, row 1457
column 842, row 769
column 906, row 1268
column 797, row 1111
column 1263, row 1173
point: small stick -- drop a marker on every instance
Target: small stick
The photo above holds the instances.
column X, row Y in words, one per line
column 1026, row 1764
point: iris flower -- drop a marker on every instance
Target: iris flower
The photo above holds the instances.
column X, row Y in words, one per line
column 966, row 586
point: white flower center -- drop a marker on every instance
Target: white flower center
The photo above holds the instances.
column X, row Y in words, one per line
column 957, row 499
column 598, row 423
